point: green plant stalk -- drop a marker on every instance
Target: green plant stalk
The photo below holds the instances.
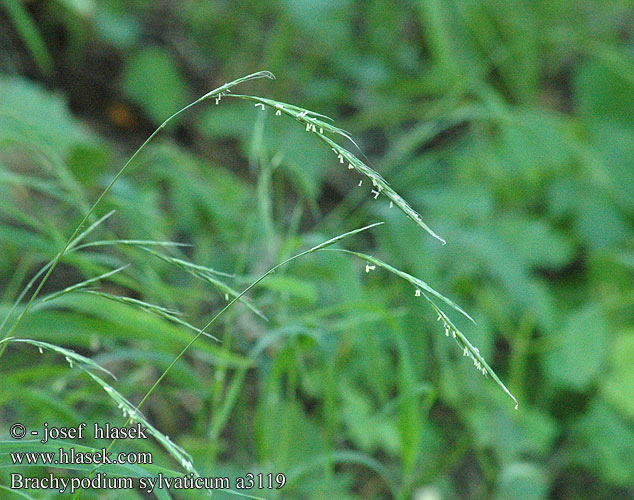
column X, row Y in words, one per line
column 214, row 93
column 220, row 410
column 319, row 125
column 31, row 37
column 325, row 244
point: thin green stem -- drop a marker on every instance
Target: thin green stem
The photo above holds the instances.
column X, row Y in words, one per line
column 237, row 297
column 221, row 312
column 214, row 93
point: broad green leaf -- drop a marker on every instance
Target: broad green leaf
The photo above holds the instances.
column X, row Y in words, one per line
column 617, row 385
column 604, row 444
column 522, row 481
column 152, row 80
column 601, row 93
column 577, row 350
column 28, row 111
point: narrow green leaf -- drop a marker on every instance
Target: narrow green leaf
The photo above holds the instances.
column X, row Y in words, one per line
column 418, row 283
column 319, row 127
column 71, row 356
column 206, row 274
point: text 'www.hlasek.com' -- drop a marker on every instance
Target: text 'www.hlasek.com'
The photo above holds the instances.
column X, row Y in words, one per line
column 106, row 469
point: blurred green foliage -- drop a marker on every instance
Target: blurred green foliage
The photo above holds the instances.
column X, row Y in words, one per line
column 509, row 125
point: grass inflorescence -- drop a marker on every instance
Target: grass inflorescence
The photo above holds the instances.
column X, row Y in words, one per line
column 314, row 123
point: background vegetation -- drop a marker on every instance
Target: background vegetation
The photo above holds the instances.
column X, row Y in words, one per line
column 508, row 124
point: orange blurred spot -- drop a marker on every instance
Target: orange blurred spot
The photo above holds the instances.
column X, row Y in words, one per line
column 122, row 116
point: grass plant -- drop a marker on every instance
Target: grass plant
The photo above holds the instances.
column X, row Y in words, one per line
column 317, row 124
